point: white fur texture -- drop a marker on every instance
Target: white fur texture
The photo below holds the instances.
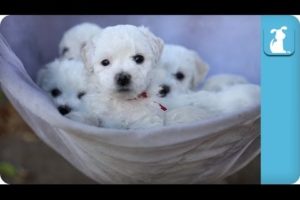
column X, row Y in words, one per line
column 177, row 58
column 221, row 82
column 161, row 78
column 207, row 104
column 75, row 38
column 144, row 102
column 69, row 77
column 119, row 44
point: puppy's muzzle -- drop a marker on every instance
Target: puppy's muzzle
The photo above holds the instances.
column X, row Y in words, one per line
column 123, row 79
column 64, row 109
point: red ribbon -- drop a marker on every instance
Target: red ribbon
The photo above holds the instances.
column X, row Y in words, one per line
column 144, row 95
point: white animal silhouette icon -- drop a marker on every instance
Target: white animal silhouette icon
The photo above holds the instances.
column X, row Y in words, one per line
column 276, row 44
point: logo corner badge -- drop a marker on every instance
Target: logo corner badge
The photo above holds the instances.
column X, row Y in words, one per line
column 279, row 41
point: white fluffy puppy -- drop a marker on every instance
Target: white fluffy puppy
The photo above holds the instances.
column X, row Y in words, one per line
column 75, row 38
column 221, row 82
column 188, row 106
column 65, row 81
column 120, row 60
column 185, row 65
column 163, row 85
column 207, row 104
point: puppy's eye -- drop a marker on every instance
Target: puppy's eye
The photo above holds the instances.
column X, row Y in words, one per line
column 105, row 62
column 179, row 76
column 65, row 50
column 55, row 92
column 139, row 59
column 80, row 95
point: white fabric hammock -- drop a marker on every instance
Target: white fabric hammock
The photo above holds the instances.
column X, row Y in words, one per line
column 201, row 152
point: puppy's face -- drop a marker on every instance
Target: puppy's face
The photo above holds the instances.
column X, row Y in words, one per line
column 121, row 58
column 75, row 38
column 64, row 81
column 185, row 66
column 163, row 85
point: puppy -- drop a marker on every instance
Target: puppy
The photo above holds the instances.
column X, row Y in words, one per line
column 163, row 85
column 75, row 38
column 185, row 65
column 189, row 106
column 65, row 81
column 221, row 82
column 208, row 104
column 120, row 60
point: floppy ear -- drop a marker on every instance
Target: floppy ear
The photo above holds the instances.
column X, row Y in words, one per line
column 41, row 76
column 155, row 42
column 273, row 30
column 283, row 28
column 87, row 52
column 201, row 70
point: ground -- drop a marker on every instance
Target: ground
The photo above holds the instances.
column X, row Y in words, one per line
column 22, row 157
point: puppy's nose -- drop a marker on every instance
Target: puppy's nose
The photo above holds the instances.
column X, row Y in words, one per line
column 64, row 109
column 165, row 89
column 123, row 79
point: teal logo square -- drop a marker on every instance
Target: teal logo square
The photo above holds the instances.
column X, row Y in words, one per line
column 279, row 41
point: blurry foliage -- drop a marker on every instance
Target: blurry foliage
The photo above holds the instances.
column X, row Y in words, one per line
column 1, row 96
column 12, row 174
column 8, row 170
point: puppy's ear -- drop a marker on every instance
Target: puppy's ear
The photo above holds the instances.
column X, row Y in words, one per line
column 156, row 43
column 201, row 70
column 87, row 51
column 273, row 30
column 41, row 76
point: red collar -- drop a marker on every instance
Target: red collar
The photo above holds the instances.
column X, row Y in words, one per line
column 144, row 95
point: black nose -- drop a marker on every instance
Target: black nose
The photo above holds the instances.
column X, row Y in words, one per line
column 64, row 109
column 123, row 79
column 165, row 89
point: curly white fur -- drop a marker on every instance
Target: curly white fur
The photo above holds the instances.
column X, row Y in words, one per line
column 221, row 82
column 69, row 79
column 130, row 81
column 185, row 65
column 120, row 106
column 75, row 38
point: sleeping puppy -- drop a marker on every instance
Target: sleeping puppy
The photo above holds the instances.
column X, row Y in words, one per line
column 186, row 106
column 119, row 61
column 185, row 65
column 189, row 106
column 203, row 104
column 65, row 82
column 221, row 82
column 75, row 38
